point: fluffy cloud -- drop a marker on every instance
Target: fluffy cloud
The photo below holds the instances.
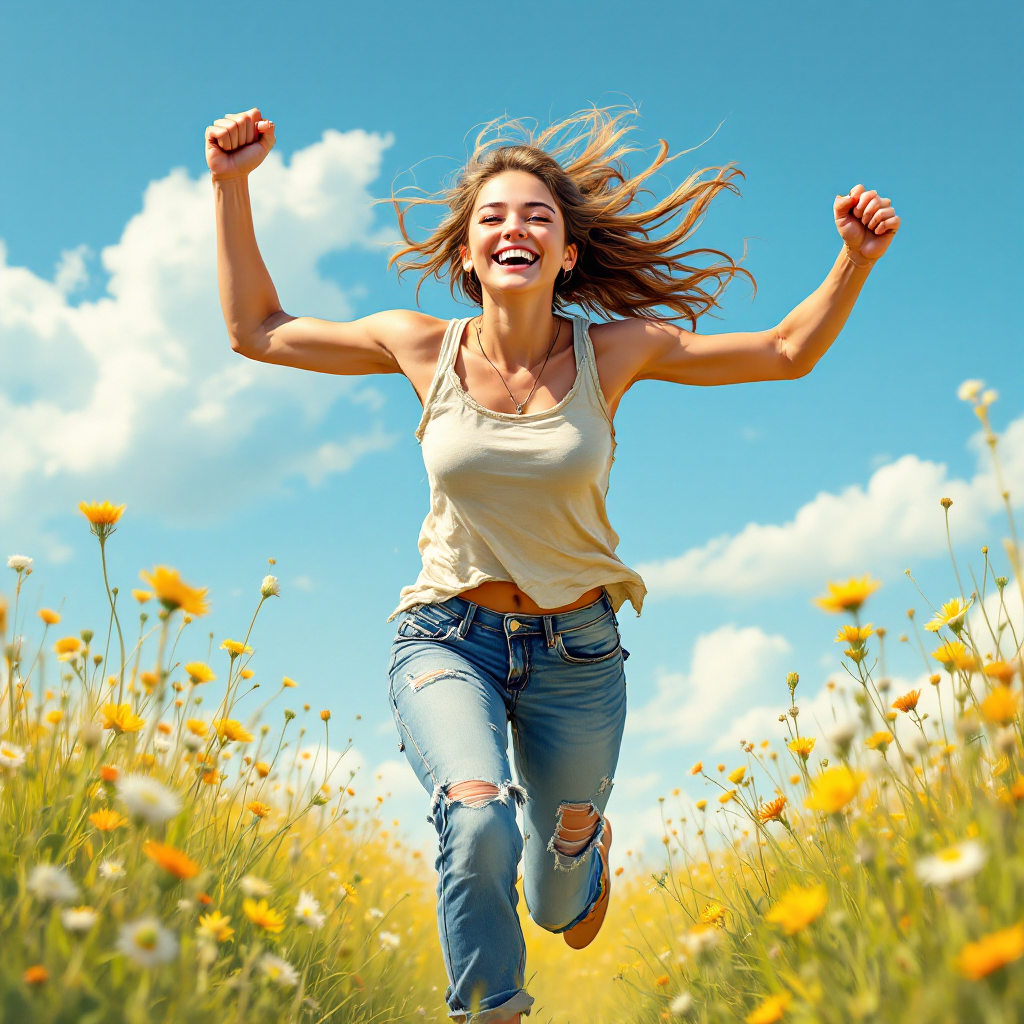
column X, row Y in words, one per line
column 892, row 519
column 137, row 394
column 730, row 666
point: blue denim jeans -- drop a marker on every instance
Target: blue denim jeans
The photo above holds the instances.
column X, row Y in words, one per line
column 460, row 674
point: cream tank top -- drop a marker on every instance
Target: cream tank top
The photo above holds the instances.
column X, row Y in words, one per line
column 519, row 498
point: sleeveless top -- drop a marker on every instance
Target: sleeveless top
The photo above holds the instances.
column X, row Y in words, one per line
column 519, row 498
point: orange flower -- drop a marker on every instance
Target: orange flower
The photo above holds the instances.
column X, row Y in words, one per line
column 1001, row 705
column 101, row 513
column 109, row 772
column 174, row 593
column 263, row 916
column 120, row 718
column 173, row 861
column 848, row 596
column 907, row 702
column 663, row 981
column 1001, row 670
column 37, row 975
column 262, row 769
column 260, row 810
column 771, row 1010
column 49, row 616
column 697, row 768
column 107, row 821
column 149, row 680
column 992, row 951
column 771, row 811
column 164, row 727
column 325, row 716
column 211, row 778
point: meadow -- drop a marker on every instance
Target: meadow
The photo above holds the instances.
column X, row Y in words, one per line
column 173, row 848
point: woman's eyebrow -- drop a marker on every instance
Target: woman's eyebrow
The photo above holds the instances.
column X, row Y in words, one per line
column 546, row 206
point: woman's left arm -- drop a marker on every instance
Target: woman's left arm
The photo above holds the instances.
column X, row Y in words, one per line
column 632, row 350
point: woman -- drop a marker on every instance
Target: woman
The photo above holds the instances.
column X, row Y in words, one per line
column 512, row 617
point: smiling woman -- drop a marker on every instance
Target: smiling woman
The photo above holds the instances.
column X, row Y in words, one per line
column 512, row 618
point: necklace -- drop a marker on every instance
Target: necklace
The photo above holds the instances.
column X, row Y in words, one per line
column 520, row 405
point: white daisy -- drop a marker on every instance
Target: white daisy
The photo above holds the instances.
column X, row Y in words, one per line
column 969, row 390
column 681, row 1005
column 190, row 741
column 148, row 799
column 111, row 868
column 161, row 743
column 11, row 756
column 307, row 910
column 701, row 939
column 279, row 971
column 79, row 919
column 147, row 942
column 954, row 864
column 254, row 887
column 375, row 913
column 19, row 563
column 389, row 940
column 51, row 884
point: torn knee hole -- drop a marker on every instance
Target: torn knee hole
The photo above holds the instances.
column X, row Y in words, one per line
column 473, row 793
column 428, row 677
column 579, row 827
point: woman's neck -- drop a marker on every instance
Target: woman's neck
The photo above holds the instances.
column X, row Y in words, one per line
column 517, row 334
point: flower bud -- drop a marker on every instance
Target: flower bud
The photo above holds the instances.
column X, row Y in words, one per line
column 270, row 587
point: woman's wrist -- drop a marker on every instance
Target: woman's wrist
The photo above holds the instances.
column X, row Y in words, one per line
column 859, row 261
column 228, row 180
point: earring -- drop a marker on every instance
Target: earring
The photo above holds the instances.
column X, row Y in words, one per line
column 467, row 267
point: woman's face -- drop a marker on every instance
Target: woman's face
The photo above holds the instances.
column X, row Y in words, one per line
column 516, row 240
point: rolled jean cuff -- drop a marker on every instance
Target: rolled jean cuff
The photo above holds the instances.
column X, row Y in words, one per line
column 521, row 1002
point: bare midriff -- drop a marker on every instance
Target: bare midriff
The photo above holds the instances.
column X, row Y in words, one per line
column 504, row 597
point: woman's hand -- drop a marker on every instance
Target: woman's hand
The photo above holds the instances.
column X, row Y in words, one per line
column 237, row 144
column 866, row 223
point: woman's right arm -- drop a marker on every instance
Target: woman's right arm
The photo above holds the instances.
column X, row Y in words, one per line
column 396, row 341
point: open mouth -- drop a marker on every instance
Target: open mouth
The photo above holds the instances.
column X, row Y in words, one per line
column 515, row 258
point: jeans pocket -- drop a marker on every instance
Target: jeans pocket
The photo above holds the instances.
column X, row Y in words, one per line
column 586, row 645
column 426, row 622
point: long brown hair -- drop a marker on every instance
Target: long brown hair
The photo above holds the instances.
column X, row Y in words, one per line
column 625, row 268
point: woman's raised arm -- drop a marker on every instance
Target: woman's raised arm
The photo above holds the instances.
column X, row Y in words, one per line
column 632, row 350
column 396, row 341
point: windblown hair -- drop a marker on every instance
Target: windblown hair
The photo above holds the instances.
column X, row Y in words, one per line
column 630, row 261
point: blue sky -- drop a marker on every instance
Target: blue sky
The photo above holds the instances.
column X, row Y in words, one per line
column 118, row 382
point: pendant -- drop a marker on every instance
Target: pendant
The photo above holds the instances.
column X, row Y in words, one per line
column 519, row 409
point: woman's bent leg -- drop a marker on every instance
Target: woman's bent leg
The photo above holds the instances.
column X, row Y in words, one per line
column 451, row 716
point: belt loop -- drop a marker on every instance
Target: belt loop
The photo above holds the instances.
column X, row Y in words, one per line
column 467, row 621
column 549, row 631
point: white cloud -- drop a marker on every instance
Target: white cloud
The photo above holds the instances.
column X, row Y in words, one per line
column 729, row 667
column 894, row 518
column 137, row 396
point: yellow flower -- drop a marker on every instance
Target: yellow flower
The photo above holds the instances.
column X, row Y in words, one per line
column 54, row 716
column 951, row 614
column 833, row 789
column 101, row 513
column 199, row 672
column 325, row 716
column 879, row 740
column 262, row 769
column 854, row 635
column 1001, row 706
column 67, row 647
column 907, row 702
column 230, row 730
column 260, row 810
column 49, row 616
column 713, row 913
column 197, row 726
column 771, row 1010
column 211, row 777
column 215, row 926
column 120, row 718
column 954, row 655
column 992, row 951
column 107, row 821
column 142, row 596
column 235, row 647
column 701, row 804
column 802, row 746
column 263, row 916
column 288, row 683
column 736, row 775
column 848, row 596
column 726, row 797
column 1002, row 671
column 247, row 673
column 173, row 592
column 771, row 811
column 697, row 768
column 149, row 680
column 173, row 861
column 798, row 908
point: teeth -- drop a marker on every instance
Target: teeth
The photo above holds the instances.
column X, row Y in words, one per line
column 524, row 254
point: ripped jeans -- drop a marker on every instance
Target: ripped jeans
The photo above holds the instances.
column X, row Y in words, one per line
column 460, row 673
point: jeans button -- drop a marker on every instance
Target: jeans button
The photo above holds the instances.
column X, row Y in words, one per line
column 514, row 625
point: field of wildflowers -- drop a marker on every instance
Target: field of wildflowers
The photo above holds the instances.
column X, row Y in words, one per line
column 167, row 856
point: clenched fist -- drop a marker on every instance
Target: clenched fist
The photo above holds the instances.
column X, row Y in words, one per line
column 236, row 144
column 866, row 222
